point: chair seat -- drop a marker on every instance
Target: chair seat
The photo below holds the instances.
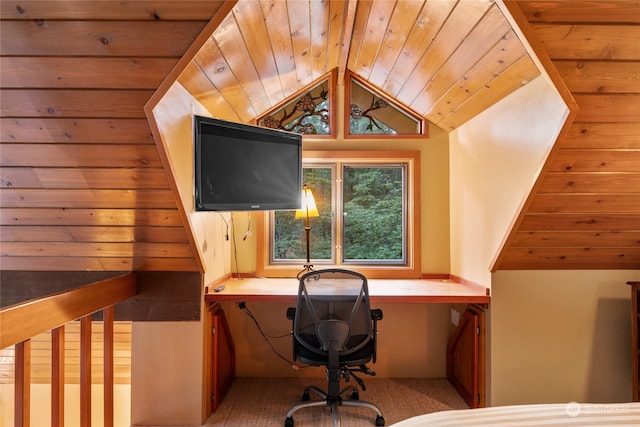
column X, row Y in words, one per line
column 359, row 357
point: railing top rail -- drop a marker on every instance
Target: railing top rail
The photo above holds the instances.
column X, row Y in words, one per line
column 22, row 321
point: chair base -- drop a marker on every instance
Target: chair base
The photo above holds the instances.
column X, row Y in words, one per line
column 333, row 402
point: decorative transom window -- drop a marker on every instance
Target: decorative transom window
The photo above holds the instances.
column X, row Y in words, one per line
column 307, row 114
column 367, row 112
column 370, row 113
column 367, row 216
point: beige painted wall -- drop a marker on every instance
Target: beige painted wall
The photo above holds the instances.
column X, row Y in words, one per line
column 40, row 411
column 495, row 159
column 174, row 115
column 166, row 373
column 434, row 216
column 553, row 336
column 167, row 358
column 151, row 357
column 412, row 341
column 560, row 336
column 413, row 337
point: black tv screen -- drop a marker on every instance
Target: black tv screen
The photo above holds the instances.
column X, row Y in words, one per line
column 241, row 167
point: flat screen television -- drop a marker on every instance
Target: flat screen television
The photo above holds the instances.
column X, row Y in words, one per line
column 240, row 167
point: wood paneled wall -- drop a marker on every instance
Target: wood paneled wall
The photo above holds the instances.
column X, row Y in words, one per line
column 585, row 209
column 84, row 188
column 82, row 184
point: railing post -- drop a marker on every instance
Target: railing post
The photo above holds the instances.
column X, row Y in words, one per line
column 85, row 371
column 23, row 321
column 57, row 376
column 108, row 333
column 22, row 393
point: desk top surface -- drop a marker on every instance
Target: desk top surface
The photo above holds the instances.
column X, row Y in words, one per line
column 380, row 290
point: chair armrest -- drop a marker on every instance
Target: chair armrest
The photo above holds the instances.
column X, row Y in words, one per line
column 376, row 314
column 291, row 313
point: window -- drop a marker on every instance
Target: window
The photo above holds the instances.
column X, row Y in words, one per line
column 310, row 112
column 368, row 215
column 368, row 112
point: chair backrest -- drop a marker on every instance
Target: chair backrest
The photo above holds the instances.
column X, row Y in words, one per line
column 333, row 311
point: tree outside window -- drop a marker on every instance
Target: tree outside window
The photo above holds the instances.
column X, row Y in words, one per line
column 366, row 223
column 373, row 212
column 289, row 241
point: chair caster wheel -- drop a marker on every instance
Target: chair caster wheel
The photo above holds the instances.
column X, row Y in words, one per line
column 354, row 395
column 379, row 421
column 305, row 397
column 288, row 422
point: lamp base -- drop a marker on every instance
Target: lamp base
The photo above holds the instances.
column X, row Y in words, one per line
column 307, row 267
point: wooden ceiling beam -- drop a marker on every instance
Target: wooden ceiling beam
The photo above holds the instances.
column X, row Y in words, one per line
column 345, row 46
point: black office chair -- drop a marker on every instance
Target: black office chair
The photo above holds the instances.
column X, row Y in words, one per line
column 334, row 326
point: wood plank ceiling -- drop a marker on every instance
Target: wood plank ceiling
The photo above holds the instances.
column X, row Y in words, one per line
column 83, row 186
column 446, row 60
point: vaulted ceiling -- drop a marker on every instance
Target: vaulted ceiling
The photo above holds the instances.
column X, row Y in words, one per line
column 83, row 186
column 446, row 60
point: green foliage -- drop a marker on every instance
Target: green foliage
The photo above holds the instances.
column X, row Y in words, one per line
column 373, row 214
column 373, row 218
column 290, row 239
column 368, row 125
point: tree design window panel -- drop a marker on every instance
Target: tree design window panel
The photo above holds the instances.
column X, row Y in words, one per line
column 372, row 114
column 307, row 114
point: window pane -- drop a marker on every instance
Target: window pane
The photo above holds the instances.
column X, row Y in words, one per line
column 371, row 114
column 289, row 241
column 362, row 122
column 373, row 214
column 308, row 114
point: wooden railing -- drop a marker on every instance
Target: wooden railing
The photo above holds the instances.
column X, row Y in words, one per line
column 21, row 322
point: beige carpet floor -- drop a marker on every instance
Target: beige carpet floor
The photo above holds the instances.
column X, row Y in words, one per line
column 264, row 402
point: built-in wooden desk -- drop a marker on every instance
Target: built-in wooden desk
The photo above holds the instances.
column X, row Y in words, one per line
column 470, row 364
column 380, row 290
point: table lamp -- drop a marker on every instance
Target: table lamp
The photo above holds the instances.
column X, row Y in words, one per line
column 308, row 210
